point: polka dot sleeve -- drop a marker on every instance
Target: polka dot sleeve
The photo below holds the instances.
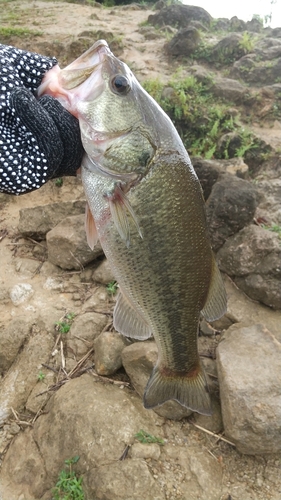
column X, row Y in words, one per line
column 23, row 164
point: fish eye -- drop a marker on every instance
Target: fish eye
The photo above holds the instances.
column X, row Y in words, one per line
column 120, row 85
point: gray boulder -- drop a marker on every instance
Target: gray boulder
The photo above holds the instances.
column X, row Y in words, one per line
column 103, row 273
column 180, row 16
column 184, row 43
column 37, row 221
column 231, row 90
column 228, row 49
column 86, row 418
column 209, row 171
column 249, row 371
column 11, row 339
column 84, row 330
column 230, row 207
column 254, row 26
column 257, row 73
column 67, row 244
column 252, row 257
column 131, row 477
column 237, row 24
column 19, row 381
column 108, row 351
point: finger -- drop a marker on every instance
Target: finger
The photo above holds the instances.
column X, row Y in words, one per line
column 69, row 130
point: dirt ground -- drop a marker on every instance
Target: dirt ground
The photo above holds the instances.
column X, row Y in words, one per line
column 244, row 477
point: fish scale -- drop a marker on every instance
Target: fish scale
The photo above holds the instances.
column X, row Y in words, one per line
column 147, row 210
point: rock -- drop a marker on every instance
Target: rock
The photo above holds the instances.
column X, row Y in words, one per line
column 253, row 258
column 27, row 472
column 98, row 301
column 27, row 267
column 270, row 204
column 143, row 450
column 254, row 26
column 208, row 171
column 237, row 24
column 202, row 474
column 22, row 377
column 241, row 309
column 257, row 73
column 276, row 32
column 179, row 15
column 108, row 418
column 270, row 53
column 20, row 293
column 36, row 222
column 214, row 422
column 108, row 350
column 221, row 24
column 36, row 401
column 67, row 244
column 150, row 33
column 249, row 370
column 113, row 480
column 184, row 43
column 138, row 360
column 230, row 207
column 11, row 339
column 230, row 90
column 83, row 331
column 228, row 49
column 103, row 274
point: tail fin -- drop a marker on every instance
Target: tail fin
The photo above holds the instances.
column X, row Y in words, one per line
column 189, row 389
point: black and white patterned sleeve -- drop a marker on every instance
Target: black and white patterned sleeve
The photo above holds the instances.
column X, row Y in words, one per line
column 34, row 135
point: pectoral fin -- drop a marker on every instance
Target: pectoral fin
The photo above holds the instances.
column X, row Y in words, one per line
column 216, row 302
column 122, row 213
column 127, row 321
column 90, row 226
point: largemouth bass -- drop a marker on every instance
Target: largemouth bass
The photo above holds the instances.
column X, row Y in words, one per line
column 147, row 210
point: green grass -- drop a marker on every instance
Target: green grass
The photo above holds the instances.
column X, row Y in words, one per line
column 8, row 31
column 41, row 376
column 112, row 287
column 200, row 118
column 69, row 486
column 64, row 325
column 145, row 437
column 275, row 228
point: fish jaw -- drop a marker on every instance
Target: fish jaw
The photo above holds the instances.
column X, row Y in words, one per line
column 80, row 81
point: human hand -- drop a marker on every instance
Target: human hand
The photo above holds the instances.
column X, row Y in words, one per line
column 39, row 139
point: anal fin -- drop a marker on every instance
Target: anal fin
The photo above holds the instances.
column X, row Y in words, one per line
column 216, row 303
column 189, row 389
column 128, row 321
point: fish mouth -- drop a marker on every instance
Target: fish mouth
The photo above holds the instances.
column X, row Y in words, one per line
column 86, row 65
column 79, row 80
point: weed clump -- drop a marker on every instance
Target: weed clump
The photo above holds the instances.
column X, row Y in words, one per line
column 200, row 118
column 69, row 486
